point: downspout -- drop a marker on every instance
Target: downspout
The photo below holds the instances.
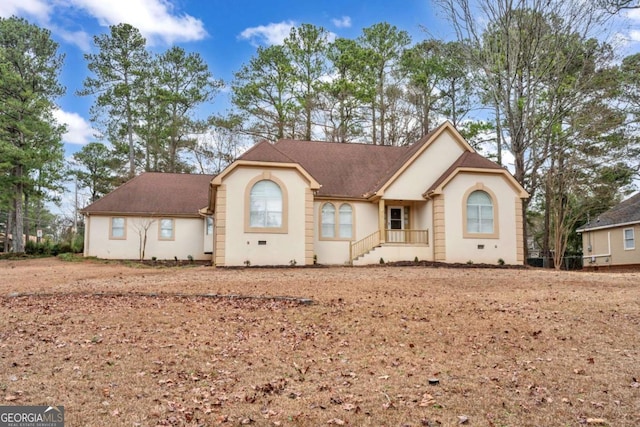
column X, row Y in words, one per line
column 593, row 257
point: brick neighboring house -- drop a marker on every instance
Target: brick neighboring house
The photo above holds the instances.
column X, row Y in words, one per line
column 302, row 202
column 610, row 239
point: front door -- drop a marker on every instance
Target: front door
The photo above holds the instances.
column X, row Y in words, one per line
column 395, row 224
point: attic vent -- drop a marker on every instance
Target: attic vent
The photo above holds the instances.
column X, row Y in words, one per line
column 262, row 242
column 480, row 246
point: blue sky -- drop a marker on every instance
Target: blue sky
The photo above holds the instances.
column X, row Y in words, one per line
column 225, row 32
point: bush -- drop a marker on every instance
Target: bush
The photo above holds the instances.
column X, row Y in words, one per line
column 44, row 248
column 47, row 248
column 64, row 248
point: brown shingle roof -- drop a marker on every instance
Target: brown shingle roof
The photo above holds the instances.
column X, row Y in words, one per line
column 264, row 151
column 343, row 170
column 627, row 211
column 154, row 193
column 352, row 170
column 467, row 159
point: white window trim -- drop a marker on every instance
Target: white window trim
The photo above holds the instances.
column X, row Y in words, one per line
column 632, row 240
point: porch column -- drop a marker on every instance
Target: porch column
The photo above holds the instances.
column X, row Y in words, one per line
column 381, row 225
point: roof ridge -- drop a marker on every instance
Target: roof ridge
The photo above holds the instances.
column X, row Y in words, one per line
column 265, row 145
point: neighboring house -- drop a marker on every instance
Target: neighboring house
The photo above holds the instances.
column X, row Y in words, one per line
column 301, row 202
column 610, row 239
column 161, row 206
column 306, row 202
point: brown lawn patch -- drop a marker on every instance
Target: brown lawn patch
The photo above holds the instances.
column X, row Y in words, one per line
column 380, row 346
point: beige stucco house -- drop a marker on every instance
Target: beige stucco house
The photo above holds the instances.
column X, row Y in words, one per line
column 610, row 239
column 161, row 206
column 305, row 202
column 300, row 202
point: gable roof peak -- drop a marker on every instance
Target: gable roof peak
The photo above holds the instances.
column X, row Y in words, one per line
column 264, row 151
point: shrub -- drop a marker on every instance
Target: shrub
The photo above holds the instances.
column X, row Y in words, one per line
column 500, row 261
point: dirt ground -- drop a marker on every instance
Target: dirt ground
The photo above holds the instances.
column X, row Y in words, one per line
column 122, row 345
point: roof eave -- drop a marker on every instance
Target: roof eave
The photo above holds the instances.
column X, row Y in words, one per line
column 313, row 184
column 522, row 193
column 604, row 227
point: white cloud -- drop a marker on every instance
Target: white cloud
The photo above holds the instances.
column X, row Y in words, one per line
column 40, row 9
column 154, row 18
column 344, row 22
column 273, row 33
column 633, row 14
column 79, row 131
column 634, row 35
column 79, row 38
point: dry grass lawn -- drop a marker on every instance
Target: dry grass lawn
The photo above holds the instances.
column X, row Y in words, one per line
column 379, row 346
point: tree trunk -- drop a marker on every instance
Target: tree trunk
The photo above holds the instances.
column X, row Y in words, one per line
column 546, row 237
column 374, row 137
column 498, row 134
column 382, row 113
column 18, row 224
column 26, row 219
column 8, row 229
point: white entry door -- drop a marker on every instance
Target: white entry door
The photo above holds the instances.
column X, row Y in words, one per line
column 395, row 224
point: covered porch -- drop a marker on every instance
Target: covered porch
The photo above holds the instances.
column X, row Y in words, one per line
column 402, row 228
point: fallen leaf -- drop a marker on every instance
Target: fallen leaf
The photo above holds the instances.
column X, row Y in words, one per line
column 597, row 421
column 463, row 419
column 336, row 421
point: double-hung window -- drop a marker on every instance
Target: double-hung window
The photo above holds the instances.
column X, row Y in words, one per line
column 118, row 228
column 167, row 229
column 629, row 239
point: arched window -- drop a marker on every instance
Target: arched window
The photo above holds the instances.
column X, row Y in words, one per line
column 479, row 213
column 346, row 221
column 266, row 205
column 328, row 220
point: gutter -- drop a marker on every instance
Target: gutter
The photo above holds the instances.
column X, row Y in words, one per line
column 603, row 227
